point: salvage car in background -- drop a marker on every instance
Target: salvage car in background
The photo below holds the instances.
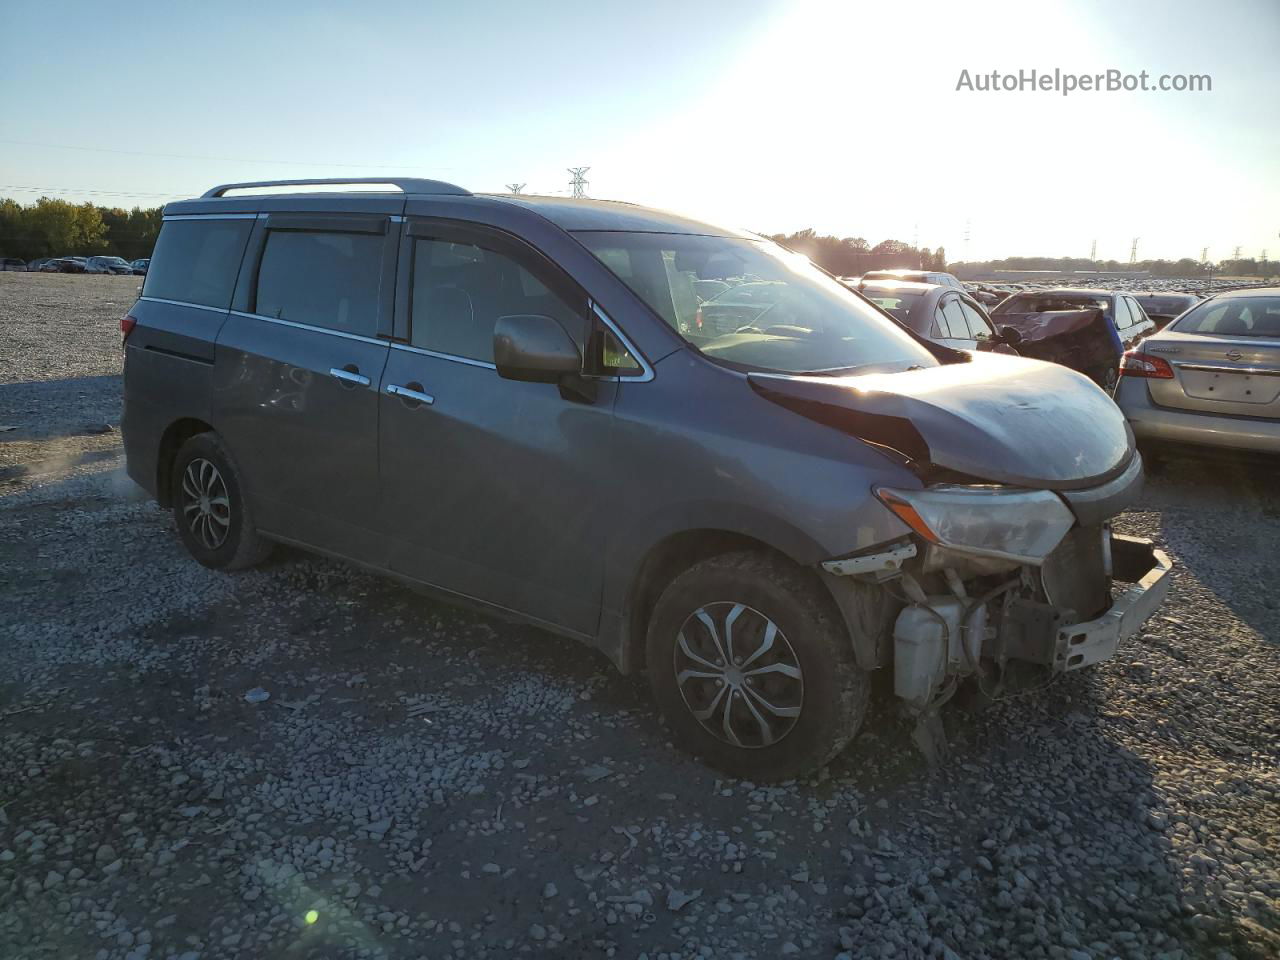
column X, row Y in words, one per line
column 943, row 314
column 1163, row 307
column 758, row 514
column 1211, row 378
column 139, row 267
column 1087, row 330
column 14, row 264
column 112, row 265
column 914, row 276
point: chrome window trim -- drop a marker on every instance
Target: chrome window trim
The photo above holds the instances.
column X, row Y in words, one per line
column 310, row 327
column 210, row 216
column 184, row 303
column 408, row 348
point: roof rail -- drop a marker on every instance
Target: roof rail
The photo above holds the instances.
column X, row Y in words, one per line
column 405, row 185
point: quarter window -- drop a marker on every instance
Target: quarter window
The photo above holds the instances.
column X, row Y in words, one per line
column 324, row 279
column 196, row 261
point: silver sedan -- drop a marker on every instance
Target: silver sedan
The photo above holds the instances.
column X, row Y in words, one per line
column 1210, row 378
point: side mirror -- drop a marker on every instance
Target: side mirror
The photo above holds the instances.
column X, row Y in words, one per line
column 534, row 348
column 1012, row 336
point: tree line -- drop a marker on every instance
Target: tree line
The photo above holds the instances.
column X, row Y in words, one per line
column 57, row 228
column 853, row 256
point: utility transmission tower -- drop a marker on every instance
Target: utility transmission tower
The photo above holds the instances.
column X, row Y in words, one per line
column 1133, row 251
column 1093, row 250
column 967, row 225
column 516, row 187
column 1204, row 255
column 579, row 181
column 1236, row 255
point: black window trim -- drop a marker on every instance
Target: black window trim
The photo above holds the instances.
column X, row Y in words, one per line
column 523, row 253
column 244, row 301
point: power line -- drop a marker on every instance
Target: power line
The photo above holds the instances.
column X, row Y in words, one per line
column 190, row 156
column 579, row 181
column 102, row 193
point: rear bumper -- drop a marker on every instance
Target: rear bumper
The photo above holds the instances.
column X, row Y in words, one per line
column 1164, row 424
column 1146, row 569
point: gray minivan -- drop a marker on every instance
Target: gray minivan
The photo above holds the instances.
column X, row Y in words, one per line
column 521, row 402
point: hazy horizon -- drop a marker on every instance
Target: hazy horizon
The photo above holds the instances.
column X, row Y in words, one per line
column 764, row 115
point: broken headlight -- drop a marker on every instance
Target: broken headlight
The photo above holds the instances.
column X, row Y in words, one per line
column 987, row 521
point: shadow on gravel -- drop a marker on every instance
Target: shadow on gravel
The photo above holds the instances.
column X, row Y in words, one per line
column 42, row 408
column 1192, row 493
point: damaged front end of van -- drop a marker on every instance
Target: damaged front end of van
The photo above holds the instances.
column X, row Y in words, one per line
column 1008, row 573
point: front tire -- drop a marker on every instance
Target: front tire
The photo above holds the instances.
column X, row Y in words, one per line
column 752, row 669
column 210, row 510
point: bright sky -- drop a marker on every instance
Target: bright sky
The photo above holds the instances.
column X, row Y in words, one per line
column 771, row 116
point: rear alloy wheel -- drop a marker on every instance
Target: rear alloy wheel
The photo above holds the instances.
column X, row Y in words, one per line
column 752, row 669
column 209, row 508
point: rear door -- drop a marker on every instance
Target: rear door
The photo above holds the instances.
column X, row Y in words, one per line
column 1231, row 365
column 298, row 370
column 490, row 487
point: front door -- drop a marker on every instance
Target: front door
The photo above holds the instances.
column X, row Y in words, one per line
column 491, row 488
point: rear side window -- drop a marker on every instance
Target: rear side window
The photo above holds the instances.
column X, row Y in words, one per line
column 461, row 289
column 323, row 279
column 956, row 326
column 978, row 327
column 196, row 261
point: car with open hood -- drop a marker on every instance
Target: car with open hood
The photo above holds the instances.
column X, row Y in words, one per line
column 524, row 403
column 1084, row 329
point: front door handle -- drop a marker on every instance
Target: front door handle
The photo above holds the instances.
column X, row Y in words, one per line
column 350, row 374
column 411, row 392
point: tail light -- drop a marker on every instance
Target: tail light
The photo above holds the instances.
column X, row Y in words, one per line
column 127, row 323
column 1135, row 363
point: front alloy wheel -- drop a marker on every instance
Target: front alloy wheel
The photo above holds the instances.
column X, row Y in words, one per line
column 738, row 675
column 753, row 668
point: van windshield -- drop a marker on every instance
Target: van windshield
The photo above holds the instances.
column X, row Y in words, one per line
column 752, row 305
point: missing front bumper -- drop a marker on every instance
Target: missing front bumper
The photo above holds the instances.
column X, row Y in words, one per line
column 1137, row 562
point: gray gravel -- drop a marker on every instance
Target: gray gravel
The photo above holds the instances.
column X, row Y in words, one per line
column 425, row 782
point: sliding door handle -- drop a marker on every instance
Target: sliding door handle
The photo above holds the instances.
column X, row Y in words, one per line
column 349, row 375
column 411, row 392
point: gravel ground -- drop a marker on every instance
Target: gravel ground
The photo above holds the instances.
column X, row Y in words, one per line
column 424, row 782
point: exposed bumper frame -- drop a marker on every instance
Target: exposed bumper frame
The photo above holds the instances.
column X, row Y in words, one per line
column 1138, row 562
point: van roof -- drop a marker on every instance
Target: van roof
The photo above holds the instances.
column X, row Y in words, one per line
column 567, row 213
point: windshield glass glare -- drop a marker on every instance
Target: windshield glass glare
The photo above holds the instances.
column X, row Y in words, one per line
column 753, row 305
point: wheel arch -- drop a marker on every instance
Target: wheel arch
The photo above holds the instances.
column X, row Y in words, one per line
column 175, row 435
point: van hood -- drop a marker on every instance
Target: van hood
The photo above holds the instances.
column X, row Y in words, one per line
column 996, row 418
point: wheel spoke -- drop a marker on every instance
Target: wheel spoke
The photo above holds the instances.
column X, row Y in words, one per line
column 728, row 726
column 705, row 715
column 686, row 675
column 757, row 697
column 766, row 733
column 728, row 631
column 688, row 652
column 220, row 521
column 715, row 634
column 766, row 644
column 189, row 484
column 191, row 506
column 783, row 668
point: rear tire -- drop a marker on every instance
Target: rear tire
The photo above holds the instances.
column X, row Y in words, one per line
column 210, row 510
column 793, row 699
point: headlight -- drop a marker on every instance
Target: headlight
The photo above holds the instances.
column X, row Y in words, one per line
column 1021, row 525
